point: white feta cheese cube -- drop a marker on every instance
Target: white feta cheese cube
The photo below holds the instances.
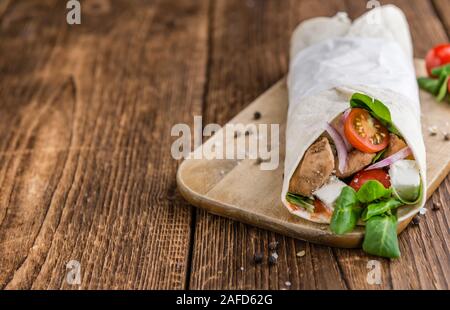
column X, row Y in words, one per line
column 329, row 192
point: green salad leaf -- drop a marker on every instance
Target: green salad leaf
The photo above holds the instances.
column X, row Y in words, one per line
column 376, row 108
column 442, row 70
column 301, row 201
column 346, row 212
column 436, row 86
column 379, row 208
column 381, row 236
column 373, row 190
column 379, row 155
column 442, row 93
column 430, row 85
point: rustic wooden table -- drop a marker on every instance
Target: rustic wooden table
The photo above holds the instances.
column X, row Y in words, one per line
column 86, row 173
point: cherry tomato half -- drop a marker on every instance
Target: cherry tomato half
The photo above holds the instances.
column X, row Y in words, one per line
column 376, row 174
column 437, row 56
column 365, row 132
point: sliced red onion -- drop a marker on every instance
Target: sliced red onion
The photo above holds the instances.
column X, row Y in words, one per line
column 345, row 115
column 340, row 129
column 403, row 153
column 340, row 147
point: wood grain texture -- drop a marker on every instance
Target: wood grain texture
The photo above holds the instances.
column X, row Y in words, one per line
column 85, row 119
column 425, row 26
column 85, row 169
column 223, row 250
column 442, row 7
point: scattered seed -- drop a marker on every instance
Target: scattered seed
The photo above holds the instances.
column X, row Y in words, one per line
column 436, row 206
column 446, row 136
column 242, row 268
column 273, row 245
column 416, row 220
column 257, row 115
column 258, row 258
column 432, row 130
column 287, row 283
column 222, row 172
column 273, row 258
column 422, row 211
column 301, row 253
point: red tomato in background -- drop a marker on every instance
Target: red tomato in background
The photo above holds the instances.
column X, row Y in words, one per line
column 376, row 174
column 437, row 56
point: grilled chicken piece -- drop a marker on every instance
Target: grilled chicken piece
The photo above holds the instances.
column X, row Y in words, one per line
column 314, row 170
column 356, row 161
column 395, row 145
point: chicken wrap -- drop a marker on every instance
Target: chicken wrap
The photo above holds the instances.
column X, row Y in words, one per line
column 354, row 148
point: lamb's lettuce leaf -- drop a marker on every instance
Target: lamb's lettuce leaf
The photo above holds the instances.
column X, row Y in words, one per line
column 378, row 208
column 376, row 108
column 373, row 190
column 430, row 85
column 442, row 93
column 381, row 236
column 346, row 212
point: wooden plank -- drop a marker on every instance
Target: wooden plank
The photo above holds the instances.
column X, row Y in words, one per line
column 248, row 57
column 221, row 246
column 84, row 120
column 442, row 9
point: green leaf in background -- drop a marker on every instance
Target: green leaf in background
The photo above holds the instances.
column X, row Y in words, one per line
column 381, row 236
column 300, row 201
column 443, row 88
column 377, row 109
column 373, row 190
column 346, row 212
column 379, row 208
column 436, row 86
column 439, row 71
column 429, row 85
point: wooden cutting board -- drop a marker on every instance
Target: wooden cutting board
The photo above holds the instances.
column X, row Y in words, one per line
column 240, row 190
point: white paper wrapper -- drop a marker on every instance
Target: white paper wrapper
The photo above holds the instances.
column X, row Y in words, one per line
column 332, row 58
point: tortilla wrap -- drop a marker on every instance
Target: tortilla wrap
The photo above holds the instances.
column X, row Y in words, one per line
column 332, row 58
